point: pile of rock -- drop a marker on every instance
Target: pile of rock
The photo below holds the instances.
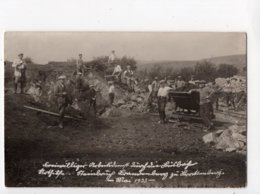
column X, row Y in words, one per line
column 229, row 140
column 133, row 101
column 235, row 81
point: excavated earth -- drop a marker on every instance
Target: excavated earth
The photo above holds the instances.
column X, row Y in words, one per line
column 32, row 138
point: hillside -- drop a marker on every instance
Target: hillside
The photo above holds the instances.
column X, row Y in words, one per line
column 238, row 60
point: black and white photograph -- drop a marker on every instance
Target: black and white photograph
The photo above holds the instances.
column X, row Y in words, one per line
column 125, row 109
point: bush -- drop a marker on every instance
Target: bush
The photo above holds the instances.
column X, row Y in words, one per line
column 28, row 60
column 205, row 70
column 99, row 63
column 186, row 73
column 125, row 61
column 225, row 70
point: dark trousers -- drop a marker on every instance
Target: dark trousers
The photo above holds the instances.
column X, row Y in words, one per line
column 161, row 108
column 61, row 114
column 205, row 113
column 22, row 81
column 93, row 103
column 230, row 99
column 111, row 97
column 62, row 104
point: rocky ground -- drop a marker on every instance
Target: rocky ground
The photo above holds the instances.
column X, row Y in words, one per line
column 33, row 138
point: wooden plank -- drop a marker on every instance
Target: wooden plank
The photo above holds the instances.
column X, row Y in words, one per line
column 50, row 113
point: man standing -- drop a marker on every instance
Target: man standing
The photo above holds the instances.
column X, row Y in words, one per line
column 205, row 104
column 128, row 75
column 62, row 98
column 80, row 65
column 112, row 58
column 92, row 98
column 111, row 92
column 155, row 86
column 19, row 73
column 179, row 83
column 162, row 100
column 228, row 89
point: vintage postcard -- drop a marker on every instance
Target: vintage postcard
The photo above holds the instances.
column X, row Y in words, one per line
column 125, row 109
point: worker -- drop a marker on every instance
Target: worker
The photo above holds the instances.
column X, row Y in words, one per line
column 112, row 58
column 117, row 72
column 205, row 103
column 80, row 66
column 228, row 89
column 155, row 87
column 179, row 83
column 62, row 98
column 162, row 100
column 128, row 75
column 20, row 67
column 92, row 98
column 111, row 92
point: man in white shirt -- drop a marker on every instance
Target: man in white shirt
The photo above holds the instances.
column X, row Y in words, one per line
column 117, row 72
column 19, row 73
column 112, row 58
column 162, row 100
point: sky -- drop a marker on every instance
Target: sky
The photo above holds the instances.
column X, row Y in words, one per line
column 60, row 46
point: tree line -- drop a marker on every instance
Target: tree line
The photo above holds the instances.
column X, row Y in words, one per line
column 203, row 70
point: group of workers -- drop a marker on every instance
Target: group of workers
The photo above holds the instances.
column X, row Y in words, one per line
column 60, row 87
column 126, row 76
column 208, row 94
column 158, row 90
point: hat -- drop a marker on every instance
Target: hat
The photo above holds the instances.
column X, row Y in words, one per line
column 179, row 76
column 162, row 81
column 79, row 73
column 91, row 85
column 62, row 77
column 80, row 54
column 156, row 78
column 20, row 54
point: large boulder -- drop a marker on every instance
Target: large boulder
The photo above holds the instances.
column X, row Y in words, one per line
column 231, row 141
column 210, row 138
column 239, row 137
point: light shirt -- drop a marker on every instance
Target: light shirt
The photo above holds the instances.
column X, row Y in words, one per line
column 163, row 92
column 80, row 65
column 155, row 85
column 112, row 57
column 128, row 73
column 205, row 94
column 117, row 69
column 150, row 88
column 18, row 65
column 111, row 89
column 179, row 83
